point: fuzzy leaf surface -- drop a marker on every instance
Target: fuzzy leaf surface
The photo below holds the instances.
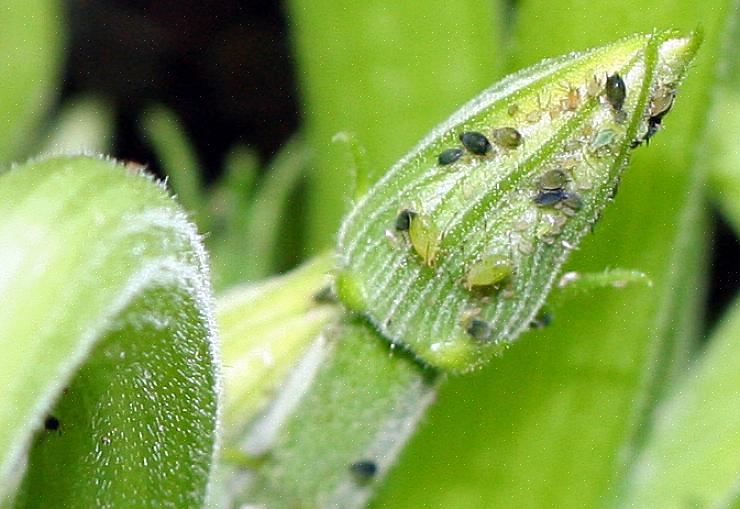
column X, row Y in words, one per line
column 107, row 347
column 501, row 204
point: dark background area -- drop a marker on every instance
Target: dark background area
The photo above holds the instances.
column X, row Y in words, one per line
column 225, row 68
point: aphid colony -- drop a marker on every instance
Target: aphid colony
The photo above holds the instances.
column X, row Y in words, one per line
column 477, row 144
column 552, row 191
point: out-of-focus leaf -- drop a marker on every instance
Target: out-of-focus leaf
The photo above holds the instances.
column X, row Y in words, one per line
column 84, row 126
column 614, row 278
column 107, row 348
column 31, row 57
column 692, row 457
column 722, row 150
column 177, row 156
column 250, row 251
column 387, row 72
column 265, row 328
column 228, row 207
column 356, row 164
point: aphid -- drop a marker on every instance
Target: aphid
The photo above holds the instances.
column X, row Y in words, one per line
column 603, row 138
column 325, row 296
column 507, row 137
column 550, row 197
column 533, row 116
column 662, row 103
column 572, row 99
column 653, row 127
column 542, row 320
column 479, row 329
column 555, row 112
column 573, row 201
column 593, row 87
column 512, row 110
column 488, row 271
column 134, row 167
column 553, row 179
column 364, row 470
column 659, row 106
column 616, row 91
column 449, row 156
column 425, row 238
column 475, row 142
column 403, row 220
column 51, row 423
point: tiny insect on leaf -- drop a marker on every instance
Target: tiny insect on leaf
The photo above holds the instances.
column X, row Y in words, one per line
column 556, row 138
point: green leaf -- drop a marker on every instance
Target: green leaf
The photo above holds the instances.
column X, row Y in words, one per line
column 357, row 163
column 724, row 154
column 550, row 422
column 692, row 457
column 84, row 126
column 387, row 72
column 177, row 156
column 30, row 64
column 340, row 421
column 107, row 348
column 252, row 248
column 423, row 284
column 265, row 328
column 721, row 147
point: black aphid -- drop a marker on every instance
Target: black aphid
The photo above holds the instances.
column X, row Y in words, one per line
column 479, row 329
column 616, row 91
column 51, row 423
column 403, row 220
column 476, row 143
column 364, row 470
column 542, row 320
column 659, row 107
column 449, row 156
column 550, row 197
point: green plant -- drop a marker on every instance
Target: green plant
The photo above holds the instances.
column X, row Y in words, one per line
column 108, row 333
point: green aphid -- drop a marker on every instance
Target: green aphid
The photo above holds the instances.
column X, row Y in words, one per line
column 479, row 329
column 490, row 270
column 507, row 137
column 425, row 238
column 553, row 179
column 616, row 91
column 603, row 138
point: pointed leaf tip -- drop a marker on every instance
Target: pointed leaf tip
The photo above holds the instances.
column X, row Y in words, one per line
column 541, row 154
